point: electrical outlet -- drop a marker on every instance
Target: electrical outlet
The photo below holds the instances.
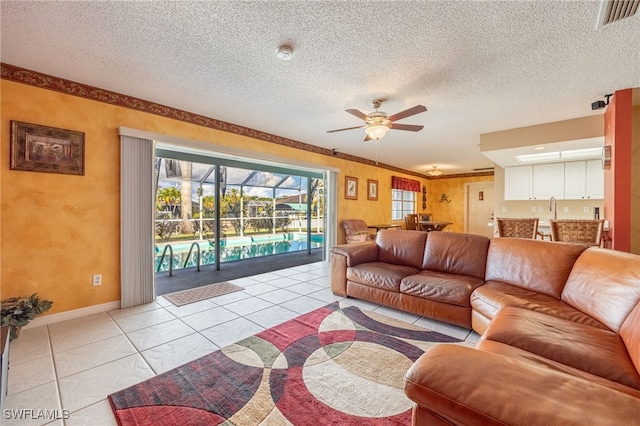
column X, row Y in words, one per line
column 504, row 209
column 586, row 210
column 533, row 209
column 566, row 210
column 97, row 279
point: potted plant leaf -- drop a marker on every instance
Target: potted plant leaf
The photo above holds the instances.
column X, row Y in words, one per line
column 19, row 311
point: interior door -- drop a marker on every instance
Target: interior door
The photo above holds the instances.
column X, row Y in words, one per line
column 479, row 208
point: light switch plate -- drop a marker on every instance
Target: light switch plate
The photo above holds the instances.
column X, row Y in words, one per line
column 533, row 209
column 504, row 209
column 540, row 209
column 586, row 209
column 566, row 210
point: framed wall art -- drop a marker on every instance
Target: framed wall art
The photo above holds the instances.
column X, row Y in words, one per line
column 351, row 188
column 37, row 148
column 372, row 190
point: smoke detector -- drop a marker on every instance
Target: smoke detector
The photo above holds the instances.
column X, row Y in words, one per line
column 285, row 52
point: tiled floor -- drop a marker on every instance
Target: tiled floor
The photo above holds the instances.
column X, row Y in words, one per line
column 67, row 369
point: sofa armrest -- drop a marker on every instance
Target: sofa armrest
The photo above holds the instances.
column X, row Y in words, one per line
column 345, row 255
column 357, row 253
column 462, row 385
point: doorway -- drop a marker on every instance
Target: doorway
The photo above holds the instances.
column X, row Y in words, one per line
column 479, row 217
column 232, row 211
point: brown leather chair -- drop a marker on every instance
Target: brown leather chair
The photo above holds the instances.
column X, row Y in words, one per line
column 582, row 231
column 517, row 227
column 411, row 222
column 356, row 230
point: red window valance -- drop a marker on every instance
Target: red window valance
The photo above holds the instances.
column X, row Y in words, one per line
column 405, row 184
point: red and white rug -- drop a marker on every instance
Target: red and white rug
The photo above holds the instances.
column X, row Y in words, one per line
column 332, row 366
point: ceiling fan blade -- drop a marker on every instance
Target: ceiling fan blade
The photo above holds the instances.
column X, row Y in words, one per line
column 346, row 128
column 408, row 112
column 368, row 138
column 409, row 127
column 361, row 115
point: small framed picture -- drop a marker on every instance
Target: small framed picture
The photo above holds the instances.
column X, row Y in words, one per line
column 351, row 188
column 39, row 148
column 372, row 190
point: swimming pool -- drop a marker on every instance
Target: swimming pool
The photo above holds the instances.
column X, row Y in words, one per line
column 235, row 248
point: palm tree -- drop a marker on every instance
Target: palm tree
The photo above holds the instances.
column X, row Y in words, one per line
column 170, row 197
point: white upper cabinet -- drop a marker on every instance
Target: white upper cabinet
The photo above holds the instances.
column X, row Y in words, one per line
column 518, row 183
column 537, row 182
column 548, row 181
column 575, row 180
column 595, row 179
column 584, row 180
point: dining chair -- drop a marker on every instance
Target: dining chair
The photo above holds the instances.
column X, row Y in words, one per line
column 517, row 227
column 582, row 231
column 411, row 222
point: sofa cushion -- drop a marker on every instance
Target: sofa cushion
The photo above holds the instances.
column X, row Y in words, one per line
column 379, row 274
column 401, row 247
column 513, row 352
column 594, row 350
column 542, row 266
column 604, row 284
column 455, row 253
column 495, row 295
column 461, row 385
column 449, row 288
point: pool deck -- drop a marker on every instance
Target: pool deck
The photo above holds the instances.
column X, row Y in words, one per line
column 184, row 279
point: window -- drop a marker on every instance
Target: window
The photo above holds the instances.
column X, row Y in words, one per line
column 402, row 203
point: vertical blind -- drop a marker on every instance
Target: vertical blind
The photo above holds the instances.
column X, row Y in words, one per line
column 136, row 221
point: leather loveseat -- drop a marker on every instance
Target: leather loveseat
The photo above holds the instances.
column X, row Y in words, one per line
column 559, row 325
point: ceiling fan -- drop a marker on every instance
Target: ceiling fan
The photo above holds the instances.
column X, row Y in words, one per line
column 378, row 123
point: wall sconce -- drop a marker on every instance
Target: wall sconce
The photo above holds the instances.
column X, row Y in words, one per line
column 445, row 199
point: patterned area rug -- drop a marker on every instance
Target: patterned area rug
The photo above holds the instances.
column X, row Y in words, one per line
column 201, row 293
column 331, row 366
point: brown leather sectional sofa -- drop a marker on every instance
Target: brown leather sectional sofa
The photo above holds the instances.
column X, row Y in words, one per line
column 560, row 325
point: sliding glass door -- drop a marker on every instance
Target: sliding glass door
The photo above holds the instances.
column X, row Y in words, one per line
column 211, row 210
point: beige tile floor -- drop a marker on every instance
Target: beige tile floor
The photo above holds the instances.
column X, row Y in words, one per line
column 67, row 370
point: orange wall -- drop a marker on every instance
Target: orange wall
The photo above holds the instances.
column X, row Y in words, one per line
column 454, row 189
column 57, row 230
column 617, row 203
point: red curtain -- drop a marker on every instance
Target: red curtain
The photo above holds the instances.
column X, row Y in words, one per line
column 405, row 184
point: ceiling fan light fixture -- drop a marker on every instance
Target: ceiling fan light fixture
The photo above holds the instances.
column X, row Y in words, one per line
column 435, row 171
column 377, row 131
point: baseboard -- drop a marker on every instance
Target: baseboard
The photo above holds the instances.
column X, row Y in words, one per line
column 76, row 313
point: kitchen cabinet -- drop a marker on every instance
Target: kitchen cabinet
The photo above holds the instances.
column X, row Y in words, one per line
column 595, row 179
column 537, row 182
column 518, row 183
column 548, row 181
column 584, row 180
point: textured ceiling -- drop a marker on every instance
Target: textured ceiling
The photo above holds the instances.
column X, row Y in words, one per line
column 477, row 66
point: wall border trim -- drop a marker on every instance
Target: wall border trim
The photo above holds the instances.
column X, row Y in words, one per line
column 49, row 82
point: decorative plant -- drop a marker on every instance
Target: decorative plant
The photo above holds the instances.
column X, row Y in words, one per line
column 19, row 311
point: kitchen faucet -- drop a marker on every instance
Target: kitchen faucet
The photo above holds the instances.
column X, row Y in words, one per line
column 552, row 207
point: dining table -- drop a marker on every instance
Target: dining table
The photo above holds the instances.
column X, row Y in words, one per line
column 430, row 225
column 384, row 226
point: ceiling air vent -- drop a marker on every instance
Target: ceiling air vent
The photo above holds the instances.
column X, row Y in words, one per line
column 615, row 10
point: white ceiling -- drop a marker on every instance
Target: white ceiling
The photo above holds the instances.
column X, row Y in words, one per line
column 478, row 66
